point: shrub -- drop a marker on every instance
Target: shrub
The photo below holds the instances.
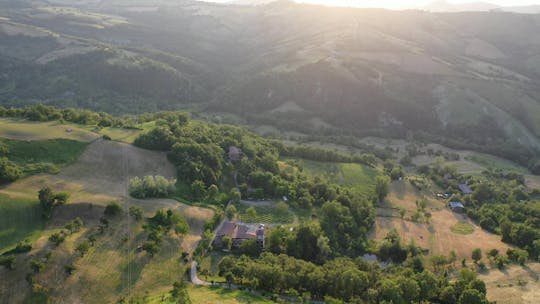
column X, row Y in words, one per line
column 112, row 209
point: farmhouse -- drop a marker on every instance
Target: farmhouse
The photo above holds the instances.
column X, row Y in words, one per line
column 465, row 189
column 239, row 232
column 457, row 207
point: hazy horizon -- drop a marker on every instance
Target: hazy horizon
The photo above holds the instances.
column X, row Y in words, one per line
column 403, row 4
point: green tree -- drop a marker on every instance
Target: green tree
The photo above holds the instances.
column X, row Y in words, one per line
column 136, row 213
column 251, row 212
column 112, row 209
column 230, row 212
column 49, row 200
column 382, row 187
column 36, row 265
column 472, row 296
column 476, row 255
column 282, row 209
column 9, row 171
column 180, row 294
column 198, row 189
column 83, row 248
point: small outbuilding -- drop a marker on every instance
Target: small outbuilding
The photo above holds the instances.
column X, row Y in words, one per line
column 457, row 207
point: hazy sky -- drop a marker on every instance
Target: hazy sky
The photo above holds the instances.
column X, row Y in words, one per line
column 406, row 3
column 412, row 3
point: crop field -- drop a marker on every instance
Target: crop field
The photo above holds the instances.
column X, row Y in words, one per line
column 27, row 130
column 356, row 176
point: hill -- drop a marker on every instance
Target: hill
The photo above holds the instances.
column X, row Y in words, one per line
column 469, row 80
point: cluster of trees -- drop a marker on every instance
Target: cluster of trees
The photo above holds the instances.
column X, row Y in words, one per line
column 159, row 225
column 49, row 200
column 345, row 280
column 151, row 186
column 9, row 171
column 42, row 112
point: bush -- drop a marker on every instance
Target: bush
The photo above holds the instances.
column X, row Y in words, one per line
column 21, row 247
column 112, row 209
column 8, row 261
column 9, row 171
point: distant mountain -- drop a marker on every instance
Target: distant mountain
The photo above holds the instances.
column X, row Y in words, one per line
column 531, row 9
column 251, row 2
column 445, row 6
column 468, row 79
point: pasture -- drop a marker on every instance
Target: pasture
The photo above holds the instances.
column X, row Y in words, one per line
column 513, row 285
column 359, row 178
column 445, row 230
column 20, row 219
column 28, row 130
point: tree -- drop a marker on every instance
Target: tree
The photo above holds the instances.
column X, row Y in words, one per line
column 212, row 192
column 57, row 238
column 282, row 209
column 476, row 255
column 83, row 248
column 49, row 200
column 251, row 212
column 472, row 296
column 180, row 294
column 198, row 190
column 227, row 242
column 235, row 195
column 8, row 261
column 230, row 212
column 36, row 265
column 136, row 213
column 382, row 187
column 9, row 171
column 150, row 247
column 112, row 209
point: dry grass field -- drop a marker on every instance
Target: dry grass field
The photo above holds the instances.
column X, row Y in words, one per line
column 444, row 232
column 113, row 267
column 513, row 285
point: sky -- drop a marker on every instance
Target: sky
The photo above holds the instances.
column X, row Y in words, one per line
column 398, row 4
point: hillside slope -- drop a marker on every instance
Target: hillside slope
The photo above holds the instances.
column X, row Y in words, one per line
column 471, row 77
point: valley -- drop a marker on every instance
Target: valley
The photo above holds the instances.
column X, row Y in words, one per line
column 283, row 152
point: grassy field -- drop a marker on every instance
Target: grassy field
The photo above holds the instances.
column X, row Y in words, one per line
column 47, row 155
column 20, row 219
column 356, row 176
column 513, row 285
column 27, row 130
column 119, row 134
column 265, row 214
column 216, row 295
column 212, row 295
column 462, row 228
